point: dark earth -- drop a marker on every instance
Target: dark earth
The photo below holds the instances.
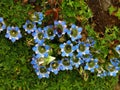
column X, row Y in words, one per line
column 101, row 16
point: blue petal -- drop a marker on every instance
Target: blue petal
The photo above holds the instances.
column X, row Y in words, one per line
column 47, row 47
column 46, row 54
column 13, row 40
column 92, row 70
column 73, row 26
column 62, row 46
column 63, row 54
column 68, row 42
column 86, row 67
column 1, row 19
column 39, row 76
column 9, row 28
column 7, row 35
column 55, row 72
column 47, row 75
column 34, row 48
column 80, row 29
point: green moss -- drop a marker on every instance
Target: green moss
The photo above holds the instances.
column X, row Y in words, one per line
column 14, row 13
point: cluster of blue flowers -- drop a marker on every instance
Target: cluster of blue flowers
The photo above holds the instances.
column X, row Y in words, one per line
column 53, row 55
column 13, row 33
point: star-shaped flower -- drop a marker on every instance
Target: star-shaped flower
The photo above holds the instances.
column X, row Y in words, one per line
column 41, row 50
column 50, row 33
column 82, row 48
column 92, row 65
column 29, row 26
column 43, row 72
column 76, row 61
column 60, row 27
column 75, row 32
column 37, row 17
column 39, row 36
column 13, row 33
column 66, row 64
column 67, row 49
column 55, row 66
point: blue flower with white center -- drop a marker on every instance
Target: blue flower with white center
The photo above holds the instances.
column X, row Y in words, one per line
column 39, row 36
column 41, row 50
column 90, row 41
column 76, row 61
column 113, row 70
column 66, row 64
column 13, row 33
column 42, row 72
column 50, row 33
column 82, row 48
column 2, row 24
column 37, row 17
column 60, row 27
column 29, row 27
column 75, row 32
column 92, row 65
column 55, row 66
column 118, row 49
column 67, row 49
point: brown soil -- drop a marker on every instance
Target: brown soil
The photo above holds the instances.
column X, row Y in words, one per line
column 101, row 17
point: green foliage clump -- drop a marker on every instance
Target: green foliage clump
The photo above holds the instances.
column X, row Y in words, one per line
column 75, row 9
column 115, row 11
column 14, row 13
column 106, row 44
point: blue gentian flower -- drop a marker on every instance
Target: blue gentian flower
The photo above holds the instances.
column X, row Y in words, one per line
column 37, row 17
column 76, row 61
column 29, row 26
column 82, row 48
column 60, row 27
column 39, row 36
column 67, row 49
column 2, row 24
column 50, row 33
column 13, row 33
column 41, row 50
column 43, row 72
column 75, row 32
column 66, row 64
column 113, row 70
column 92, row 65
column 118, row 49
column 55, row 66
